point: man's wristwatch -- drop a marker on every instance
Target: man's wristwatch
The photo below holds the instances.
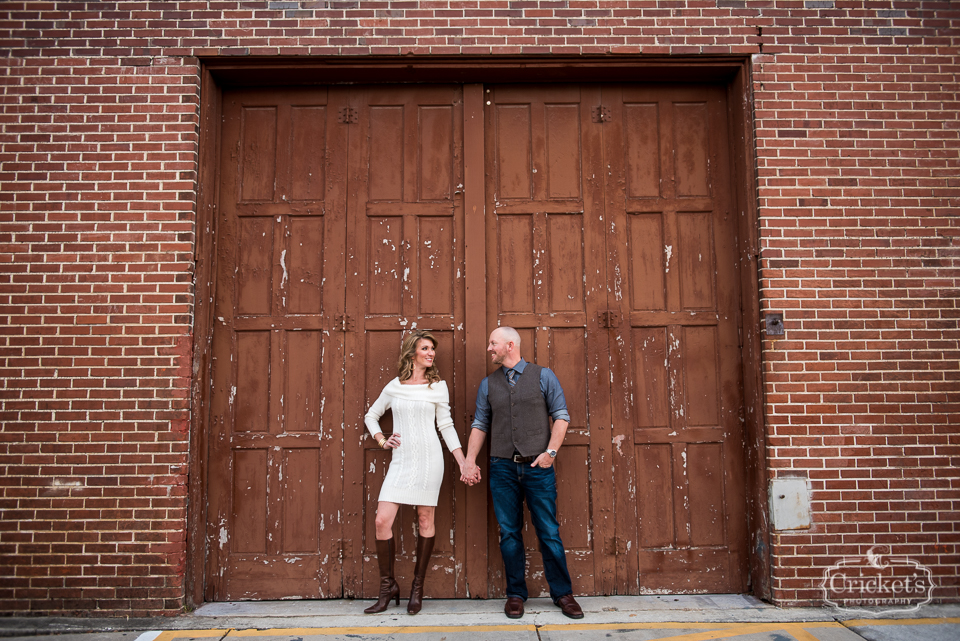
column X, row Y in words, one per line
column 552, row 453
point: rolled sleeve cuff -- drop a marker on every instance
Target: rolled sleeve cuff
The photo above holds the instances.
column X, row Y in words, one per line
column 561, row 415
column 481, row 427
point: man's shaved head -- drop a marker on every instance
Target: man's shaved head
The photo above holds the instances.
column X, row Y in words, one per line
column 509, row 335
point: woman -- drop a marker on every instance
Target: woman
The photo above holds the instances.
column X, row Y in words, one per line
column 421, row 406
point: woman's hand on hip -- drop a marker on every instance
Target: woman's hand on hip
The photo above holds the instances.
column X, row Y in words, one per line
column 392, row 442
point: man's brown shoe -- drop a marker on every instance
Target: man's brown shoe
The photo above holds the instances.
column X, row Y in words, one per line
column 570, row 606
column 514, row 607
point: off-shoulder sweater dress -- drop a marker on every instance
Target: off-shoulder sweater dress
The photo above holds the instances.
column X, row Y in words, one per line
column 416, row 467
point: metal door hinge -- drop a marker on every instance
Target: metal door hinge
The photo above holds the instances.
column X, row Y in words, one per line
column 600, row 114
column 347, row 115
column 346, row 549
column 615, row 546
column 344, row 323
column 609, row 319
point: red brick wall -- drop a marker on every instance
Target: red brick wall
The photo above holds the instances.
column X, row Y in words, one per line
column 858, row 168
column 858, row 175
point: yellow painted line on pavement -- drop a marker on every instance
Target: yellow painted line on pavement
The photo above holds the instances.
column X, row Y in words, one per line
column 637, row 626
column 675, row 624
column 744, row 629
column 705, row 631
column 802, row 634
column 169, row 635
column 864, row 622
column 715, row 631
column 383, row 630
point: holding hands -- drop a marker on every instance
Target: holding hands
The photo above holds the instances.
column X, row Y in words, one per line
column 470, row 473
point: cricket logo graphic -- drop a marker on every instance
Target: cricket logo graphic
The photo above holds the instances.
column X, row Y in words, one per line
column 894, row 584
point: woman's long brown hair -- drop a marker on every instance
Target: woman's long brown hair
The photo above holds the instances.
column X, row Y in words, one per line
column 408, row 348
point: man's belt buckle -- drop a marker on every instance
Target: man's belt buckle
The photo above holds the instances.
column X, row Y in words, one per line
column 517, row 458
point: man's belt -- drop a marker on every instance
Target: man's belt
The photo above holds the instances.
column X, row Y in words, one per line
column 516, row 458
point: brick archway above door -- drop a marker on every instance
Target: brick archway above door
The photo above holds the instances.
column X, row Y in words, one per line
column 396, row 189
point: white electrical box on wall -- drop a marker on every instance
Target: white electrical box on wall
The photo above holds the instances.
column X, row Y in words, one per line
column 790, row 504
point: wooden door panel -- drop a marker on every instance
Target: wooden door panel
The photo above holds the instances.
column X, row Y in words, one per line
column 258, row 143
column 436, row 267
column 254, row 271
column 385, row 265
column 561, row 152
column 573, row 493
column 700, row 389
column 303, row 266
column 680, row 353
column 645, row 263
column 302, row 382
column 514, row 150
column 643, row 275
column 691, row 146
column 706, row 488
column 641, row 157
column 654, row 473
column 567, row 355
column 563, row 272
column 437, row 141
column 385, row 172
column 516, row 271
column 300, row 483
column 308, row 133
column 275, row 447
column 404, row 233
column 250, row 501
column 650, row 376
column 253, row 403
column 546, row 278
column 695, row 260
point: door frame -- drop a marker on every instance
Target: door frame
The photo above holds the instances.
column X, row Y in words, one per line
column 734, row 73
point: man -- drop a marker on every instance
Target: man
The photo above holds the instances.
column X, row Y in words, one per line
column 515, row 404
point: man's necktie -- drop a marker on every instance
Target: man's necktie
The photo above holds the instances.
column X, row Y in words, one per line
column 511, row 377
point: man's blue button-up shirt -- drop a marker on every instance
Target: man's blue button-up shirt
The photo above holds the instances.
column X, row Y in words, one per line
column 549, row 387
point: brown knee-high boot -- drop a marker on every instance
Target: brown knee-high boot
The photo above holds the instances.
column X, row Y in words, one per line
column 389, row 588
column 424, row 550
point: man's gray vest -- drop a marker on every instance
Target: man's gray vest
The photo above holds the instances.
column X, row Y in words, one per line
column 519, row 419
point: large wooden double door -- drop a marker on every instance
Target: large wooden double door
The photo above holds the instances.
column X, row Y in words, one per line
column 608, row 242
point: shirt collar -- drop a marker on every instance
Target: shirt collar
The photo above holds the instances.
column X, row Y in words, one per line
column 518, row 368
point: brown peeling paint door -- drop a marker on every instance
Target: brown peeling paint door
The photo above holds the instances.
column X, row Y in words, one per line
column 610, row 246
column 675, row 354
column 677, row 392
column 275, row 470
column 546, row 276
column 609, row 243
column 405, row 257
column 340, row 227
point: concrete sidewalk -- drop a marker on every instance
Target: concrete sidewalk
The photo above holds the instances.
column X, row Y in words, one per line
column 675, row 617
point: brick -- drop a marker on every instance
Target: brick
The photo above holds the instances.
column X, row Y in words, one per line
column 856, row 121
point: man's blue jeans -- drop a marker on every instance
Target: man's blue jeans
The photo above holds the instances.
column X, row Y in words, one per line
column 510, row 484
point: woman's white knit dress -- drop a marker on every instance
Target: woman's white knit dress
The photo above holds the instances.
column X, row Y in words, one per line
column 416, row 467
